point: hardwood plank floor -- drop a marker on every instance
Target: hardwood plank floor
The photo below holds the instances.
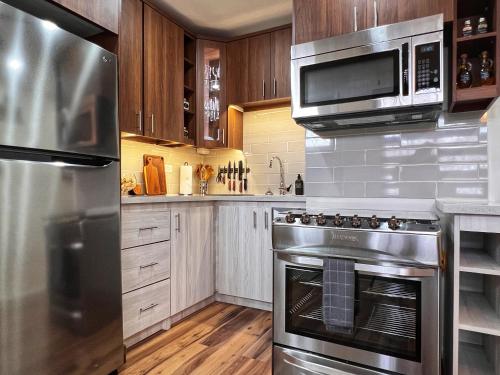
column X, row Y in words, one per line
column 221, row 339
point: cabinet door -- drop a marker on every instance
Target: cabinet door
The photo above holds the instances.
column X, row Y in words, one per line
column 200, row 260
column 211, row 99
column 179, row 260
column 393, row 11
column 130, row 67
column 237, row 71
column 347, row 16
column 103, row 13
column 267, row 255
column 281, row 42
column 259, row 68
column 228, row 250
column 163, row 77
column 310, row 20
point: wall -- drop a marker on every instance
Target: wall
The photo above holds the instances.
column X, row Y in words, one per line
column 265, row 133
column 449, row 161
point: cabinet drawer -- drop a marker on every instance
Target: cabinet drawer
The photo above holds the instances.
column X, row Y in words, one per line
column 144, row 265
column 144, row 227
column 145, row 307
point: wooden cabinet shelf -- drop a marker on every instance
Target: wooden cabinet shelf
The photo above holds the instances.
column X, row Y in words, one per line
column 476, row 37
column 477, row 315
column 473, row 360
column 188, row 63
column 478, row 261
column 189, row 113
column 188, row 89
column 476, row 93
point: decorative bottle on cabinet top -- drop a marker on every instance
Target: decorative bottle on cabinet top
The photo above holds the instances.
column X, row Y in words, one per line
column 464, row 78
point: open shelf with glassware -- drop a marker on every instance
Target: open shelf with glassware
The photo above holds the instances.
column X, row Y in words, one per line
column 189, row 89
column 475, row 55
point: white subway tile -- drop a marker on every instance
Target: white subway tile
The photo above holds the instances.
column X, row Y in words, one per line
column 401, row 189
column 402, row 156
column 319, row 175
column 462, row 189
column 463, row 154
column 323, row 190
column 440, row 137
column 372, row 173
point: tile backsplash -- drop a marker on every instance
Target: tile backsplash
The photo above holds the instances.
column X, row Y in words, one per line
column 265, row 133
column 449, row 161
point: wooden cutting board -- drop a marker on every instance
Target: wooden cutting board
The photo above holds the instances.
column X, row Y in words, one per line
column 154, row 175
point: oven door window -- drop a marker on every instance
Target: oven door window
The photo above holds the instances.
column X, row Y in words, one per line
column 349, row 80
column 387, row 314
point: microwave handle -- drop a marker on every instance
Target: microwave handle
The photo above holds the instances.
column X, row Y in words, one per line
column 405, row 62
column 355, row 18
column 375, row 14
column 361, row 267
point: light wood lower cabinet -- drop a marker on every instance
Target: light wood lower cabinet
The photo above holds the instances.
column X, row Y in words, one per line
column 145, row 307
column 192, row 256
column 244, row 258
column 144, row 224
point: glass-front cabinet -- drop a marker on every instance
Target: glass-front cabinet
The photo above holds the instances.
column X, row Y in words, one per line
column 212, row 111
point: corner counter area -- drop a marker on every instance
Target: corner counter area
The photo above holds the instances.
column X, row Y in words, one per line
column 472, row 306
column 181, row 253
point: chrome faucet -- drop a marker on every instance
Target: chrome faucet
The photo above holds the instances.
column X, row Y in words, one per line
column 283, row 189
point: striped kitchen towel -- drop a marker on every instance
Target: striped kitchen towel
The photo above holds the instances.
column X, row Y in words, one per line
column 338, row 295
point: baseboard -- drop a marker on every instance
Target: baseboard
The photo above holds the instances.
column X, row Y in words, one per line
column 164, row 325
column 191, row 310
column 244, row 302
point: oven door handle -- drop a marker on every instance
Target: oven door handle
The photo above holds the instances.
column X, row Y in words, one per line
column 362, row 267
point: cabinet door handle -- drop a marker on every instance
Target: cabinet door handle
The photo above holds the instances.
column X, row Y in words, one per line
column 152, row 306
column 375, row 14
column 148, row 265
column 152, row 123
column 255, row 220
column 147, row 228
column 223, row 137
column 355, row 18
column 274, row 87
column 139, row 121
column 178, row 222
column 266, row 220
column 263, row 88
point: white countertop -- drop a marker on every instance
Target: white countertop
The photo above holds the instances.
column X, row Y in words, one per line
column 170, row 198
column 468, row 207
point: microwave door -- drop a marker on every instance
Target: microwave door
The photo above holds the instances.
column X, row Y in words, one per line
column 361, row 79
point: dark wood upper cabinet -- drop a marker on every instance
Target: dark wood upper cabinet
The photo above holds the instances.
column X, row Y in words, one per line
column 393, row 11
column 103, row 13
column 130, row 67
column 281, row 42
column 237, row 71
column 163, row 77
column 318, row 19
column 259, row 68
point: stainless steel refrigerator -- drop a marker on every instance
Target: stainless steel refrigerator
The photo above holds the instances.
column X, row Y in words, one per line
column 60, row 281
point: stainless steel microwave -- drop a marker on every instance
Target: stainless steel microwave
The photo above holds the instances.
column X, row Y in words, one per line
column 386, row 75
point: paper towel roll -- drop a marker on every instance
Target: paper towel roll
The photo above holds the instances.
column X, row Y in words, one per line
column 186, row 180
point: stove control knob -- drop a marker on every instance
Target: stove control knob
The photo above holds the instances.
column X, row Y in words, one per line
column 305, row 218
column 374, row 222
column 394, row 223
column 321, row 219
column 338, row 221
column 355, row 221
column 289, row 218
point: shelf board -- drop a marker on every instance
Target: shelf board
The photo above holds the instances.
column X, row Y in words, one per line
column 472, row 360
column 478, row 261
column 491, row 34
column 477, row 315
column 188, row 62
column 188, row 89
column 190, row 113
column 476, row 93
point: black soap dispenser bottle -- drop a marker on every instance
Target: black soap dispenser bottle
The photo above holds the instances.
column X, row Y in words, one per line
column 299, row 185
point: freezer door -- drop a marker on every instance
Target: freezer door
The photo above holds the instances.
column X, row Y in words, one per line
column 60, row 283
column 57, row 91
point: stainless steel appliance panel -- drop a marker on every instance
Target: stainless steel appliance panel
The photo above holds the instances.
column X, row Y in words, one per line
column 60, row 284
column 57, row 91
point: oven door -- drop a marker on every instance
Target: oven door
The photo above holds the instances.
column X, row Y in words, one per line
column 355, row 80
column 396, row 323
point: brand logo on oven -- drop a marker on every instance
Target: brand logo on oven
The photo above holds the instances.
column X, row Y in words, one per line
column 344, row 237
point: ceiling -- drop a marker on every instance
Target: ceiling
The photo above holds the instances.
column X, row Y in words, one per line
column 228, row 18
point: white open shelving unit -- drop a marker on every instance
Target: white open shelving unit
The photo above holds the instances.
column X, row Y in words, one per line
column 476, row 295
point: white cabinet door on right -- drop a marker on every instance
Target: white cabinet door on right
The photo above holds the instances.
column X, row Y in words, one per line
column 227, row 250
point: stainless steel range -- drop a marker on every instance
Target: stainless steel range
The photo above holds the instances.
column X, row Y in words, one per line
column 397, row 275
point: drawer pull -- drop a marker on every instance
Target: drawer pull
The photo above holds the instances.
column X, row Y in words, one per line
column 152, row 306
column 149, row 265
column 147, row 228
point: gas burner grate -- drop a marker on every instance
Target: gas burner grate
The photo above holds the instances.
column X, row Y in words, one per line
column 392, row 290
column 392, row 320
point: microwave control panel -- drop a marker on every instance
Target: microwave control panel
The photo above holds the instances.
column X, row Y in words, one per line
column 427, row 67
